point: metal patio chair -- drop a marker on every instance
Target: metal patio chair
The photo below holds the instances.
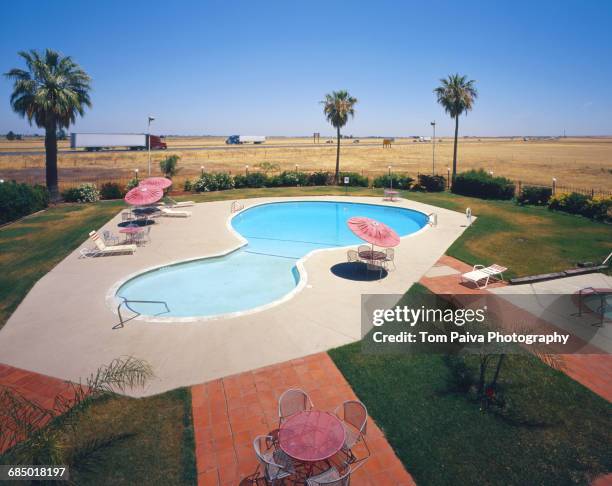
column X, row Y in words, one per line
column 275, row 465
column 291, row 402
column 389, row 257
column 354, row 416
column 333, row 476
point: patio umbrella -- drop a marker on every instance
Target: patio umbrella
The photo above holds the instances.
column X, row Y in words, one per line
column 143, row 195
column 373, row 232
column 161, row 182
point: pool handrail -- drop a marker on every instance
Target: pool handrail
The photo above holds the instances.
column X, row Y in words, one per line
column 126, row 302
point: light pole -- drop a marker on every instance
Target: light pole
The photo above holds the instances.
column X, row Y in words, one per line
column 202, row 169
column 390, row 179
column 150, row 119
column 433, row 149
column 296, row 168
column 246, row 170
column 448, row 177
column 136, row 174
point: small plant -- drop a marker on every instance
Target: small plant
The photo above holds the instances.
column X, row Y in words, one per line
column 535, row 195
column 132, row 183
column 169, row 165
column 33, row 434
column 188, row 185
column 268, row 167
column 85, row 193
column 111, row 190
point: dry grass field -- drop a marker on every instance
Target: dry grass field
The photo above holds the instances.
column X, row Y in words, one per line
column 575, row 162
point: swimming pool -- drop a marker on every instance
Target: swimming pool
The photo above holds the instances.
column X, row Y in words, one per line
column 264, row 270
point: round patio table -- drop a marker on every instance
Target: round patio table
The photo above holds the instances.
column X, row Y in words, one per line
column 372, row 255
column 130, row 231
column 311, row 436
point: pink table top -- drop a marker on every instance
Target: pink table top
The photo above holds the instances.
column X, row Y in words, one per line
column 311, row 436
column 131, row 229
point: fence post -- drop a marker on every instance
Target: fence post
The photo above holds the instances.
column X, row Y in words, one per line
column 554, row 186
column 519, row 187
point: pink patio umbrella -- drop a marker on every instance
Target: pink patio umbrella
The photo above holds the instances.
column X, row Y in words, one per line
column 161, row 182
column 144, row 195
column 373, row 232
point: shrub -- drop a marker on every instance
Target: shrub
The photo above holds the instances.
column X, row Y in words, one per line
column 253, row 179
column 111, row 190
column 188, row 185
column 598, row 207
column 355, row 179
column 132, row 183
column 321, row 178
column 211, row 181
column 290, row 179
column 19, row 200
column 83, row 194
column 168, row 166
column 432, row 183
column 535, row 195
column 479, row 183
column 400, row 181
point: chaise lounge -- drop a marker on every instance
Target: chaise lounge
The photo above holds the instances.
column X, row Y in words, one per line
column 480, row 272
column 101, row 248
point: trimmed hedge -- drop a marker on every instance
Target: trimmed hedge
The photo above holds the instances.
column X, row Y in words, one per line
column 111, row 190
column 538, row 196
column 254, row 179
column 19, row 200
column 432, row 183
column 478, row 183
column 400, row 181
column 355, row 179
column 83, row 194
column 598, row 207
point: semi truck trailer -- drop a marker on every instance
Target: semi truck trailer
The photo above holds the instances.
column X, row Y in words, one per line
column 100, row 141
column 239, row 139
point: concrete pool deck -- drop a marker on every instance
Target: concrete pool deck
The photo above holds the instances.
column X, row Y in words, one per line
column 64, row 326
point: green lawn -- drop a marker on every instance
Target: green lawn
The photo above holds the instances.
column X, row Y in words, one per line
column 122, row 440
column 552, row 432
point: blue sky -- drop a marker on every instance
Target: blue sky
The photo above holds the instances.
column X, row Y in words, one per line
column 262, row 67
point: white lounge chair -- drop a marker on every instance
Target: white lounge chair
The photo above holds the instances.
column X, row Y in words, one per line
column 171, row 203
column 174, row 214
column 101, row 248
column 480, row 272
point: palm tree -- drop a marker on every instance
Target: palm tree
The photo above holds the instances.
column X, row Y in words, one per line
column 338, row 107
column 456, row 94
column 52, row 91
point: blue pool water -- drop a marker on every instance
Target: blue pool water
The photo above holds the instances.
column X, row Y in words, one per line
column 264, row 270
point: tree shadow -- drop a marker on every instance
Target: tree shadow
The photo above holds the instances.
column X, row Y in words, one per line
column 357, row 271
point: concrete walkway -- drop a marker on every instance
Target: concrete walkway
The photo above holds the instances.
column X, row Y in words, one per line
column 229, row 413
column 64, row 327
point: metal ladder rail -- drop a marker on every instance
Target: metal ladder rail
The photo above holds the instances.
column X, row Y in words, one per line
column 432, row 219
column 601, row 310
column 126, row 302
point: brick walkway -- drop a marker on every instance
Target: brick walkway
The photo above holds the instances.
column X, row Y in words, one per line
column 230, row 412
column 591, row 370
column 38, row 388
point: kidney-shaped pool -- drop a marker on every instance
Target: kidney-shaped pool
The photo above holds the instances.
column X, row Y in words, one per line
column 264, row 270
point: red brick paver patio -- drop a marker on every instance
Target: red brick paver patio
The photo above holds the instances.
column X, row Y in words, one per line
column 230, row 412
column 38, row 388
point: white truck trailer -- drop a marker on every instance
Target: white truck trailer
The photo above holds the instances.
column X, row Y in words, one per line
column 100, row 141
column 239, row 139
